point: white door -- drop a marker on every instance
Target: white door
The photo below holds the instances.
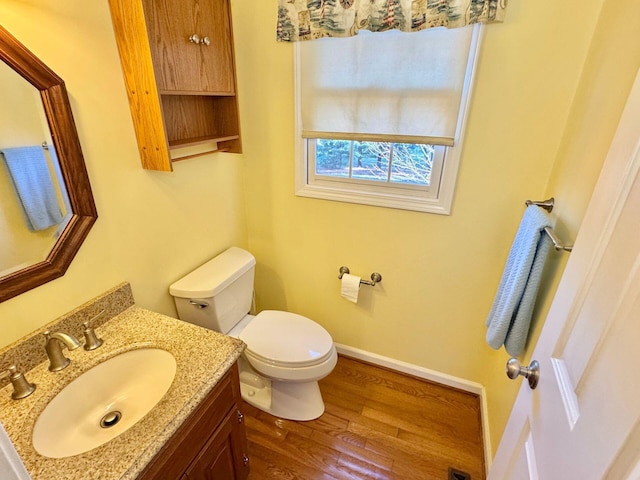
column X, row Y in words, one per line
column 582, row 421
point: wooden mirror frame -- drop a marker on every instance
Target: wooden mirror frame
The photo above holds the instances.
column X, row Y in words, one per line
column 65, row 139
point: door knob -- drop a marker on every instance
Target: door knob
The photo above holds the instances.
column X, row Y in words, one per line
column 195, row 38
column 531, row 373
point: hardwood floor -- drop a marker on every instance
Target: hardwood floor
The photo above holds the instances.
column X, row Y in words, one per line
column 378, row 424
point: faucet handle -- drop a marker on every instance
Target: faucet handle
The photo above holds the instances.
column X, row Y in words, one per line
column 91, row 340
column 21, row 387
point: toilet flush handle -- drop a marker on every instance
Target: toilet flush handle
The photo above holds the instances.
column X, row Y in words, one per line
column 199, row 303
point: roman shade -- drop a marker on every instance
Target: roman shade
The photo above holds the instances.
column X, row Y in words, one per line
column 389, row 86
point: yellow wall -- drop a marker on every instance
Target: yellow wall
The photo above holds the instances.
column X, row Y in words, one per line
column 439, row 272
column 153, row 227
column 549, row 89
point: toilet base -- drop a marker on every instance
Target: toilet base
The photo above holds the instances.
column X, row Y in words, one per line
column 296, row 401
column 255, row 390
column 300, row 401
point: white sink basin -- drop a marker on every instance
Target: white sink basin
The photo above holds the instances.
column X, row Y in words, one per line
column 103, row 402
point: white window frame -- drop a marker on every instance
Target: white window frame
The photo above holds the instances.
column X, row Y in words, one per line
column 437, row 198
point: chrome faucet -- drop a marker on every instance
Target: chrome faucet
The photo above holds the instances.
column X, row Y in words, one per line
column 57, row 360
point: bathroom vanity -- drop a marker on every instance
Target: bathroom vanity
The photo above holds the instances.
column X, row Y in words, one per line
column 195, row 430
column 211, row 443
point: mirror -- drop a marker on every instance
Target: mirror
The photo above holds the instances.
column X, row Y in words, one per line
column 34, row 205
column 72, row 213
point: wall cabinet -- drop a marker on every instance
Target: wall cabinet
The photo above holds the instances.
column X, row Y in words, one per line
column 179, row 69
column 210, row 444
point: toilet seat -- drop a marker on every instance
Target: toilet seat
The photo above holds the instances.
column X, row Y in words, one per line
column 286, row 339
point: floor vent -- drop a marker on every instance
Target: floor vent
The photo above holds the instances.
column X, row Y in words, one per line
column 458, row 475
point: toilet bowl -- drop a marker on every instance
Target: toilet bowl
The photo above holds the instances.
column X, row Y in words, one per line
column 286, row 353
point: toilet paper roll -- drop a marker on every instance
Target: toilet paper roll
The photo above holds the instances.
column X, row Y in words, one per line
column 350, row 287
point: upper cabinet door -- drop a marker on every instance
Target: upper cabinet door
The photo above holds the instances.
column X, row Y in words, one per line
column 191, row 46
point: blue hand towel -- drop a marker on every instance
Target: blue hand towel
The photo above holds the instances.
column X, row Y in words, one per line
column 30, row 174
column 510, row 316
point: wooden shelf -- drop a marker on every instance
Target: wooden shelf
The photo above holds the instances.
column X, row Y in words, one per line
column 180, row 93
column 200, row 140
column 202, row 94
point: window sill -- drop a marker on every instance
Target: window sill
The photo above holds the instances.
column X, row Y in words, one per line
column 388, row 200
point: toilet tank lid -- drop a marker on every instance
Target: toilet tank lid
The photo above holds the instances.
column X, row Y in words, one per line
column 211, row 278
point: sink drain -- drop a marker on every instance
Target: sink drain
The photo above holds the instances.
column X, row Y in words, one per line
column 110, row 419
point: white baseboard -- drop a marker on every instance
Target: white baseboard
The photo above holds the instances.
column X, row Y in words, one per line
column 432, row 375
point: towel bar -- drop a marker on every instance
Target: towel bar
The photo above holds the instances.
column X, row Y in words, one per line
column 556, row 241
column 548, row 206
column 375, row 277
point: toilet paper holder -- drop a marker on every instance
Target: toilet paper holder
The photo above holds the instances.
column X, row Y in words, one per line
column 375, row 277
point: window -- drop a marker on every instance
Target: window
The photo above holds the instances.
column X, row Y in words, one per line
column 375, row 166
column 380, row 116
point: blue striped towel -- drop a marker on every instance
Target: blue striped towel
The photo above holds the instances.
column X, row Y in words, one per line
column 510, row 317
column 32, row 180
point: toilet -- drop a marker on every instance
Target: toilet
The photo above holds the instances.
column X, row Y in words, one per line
column 286, row 353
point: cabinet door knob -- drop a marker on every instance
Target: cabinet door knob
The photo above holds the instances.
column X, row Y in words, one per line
column 195, row 38
column 240, row 417
column 205, row 41
column 245, row 460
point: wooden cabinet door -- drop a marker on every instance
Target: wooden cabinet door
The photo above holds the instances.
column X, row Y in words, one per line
column 224, row 456
column 182, row 66
column 212, row 442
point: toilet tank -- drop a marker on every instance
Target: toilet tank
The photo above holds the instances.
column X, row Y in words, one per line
column 218, row 294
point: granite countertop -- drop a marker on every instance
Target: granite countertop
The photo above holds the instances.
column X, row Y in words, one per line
column 202, row 358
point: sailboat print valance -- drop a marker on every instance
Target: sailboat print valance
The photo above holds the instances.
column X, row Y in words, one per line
column 309, row 19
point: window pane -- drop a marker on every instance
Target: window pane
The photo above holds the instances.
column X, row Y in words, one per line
column 332, row 157
column 371, row 160
column 412, row 163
